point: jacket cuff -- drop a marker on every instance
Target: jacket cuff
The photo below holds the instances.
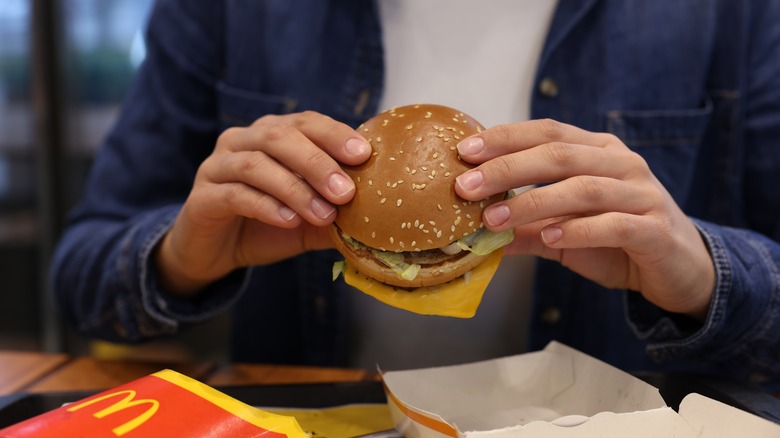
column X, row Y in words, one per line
column 736, row 301
column 170, row 310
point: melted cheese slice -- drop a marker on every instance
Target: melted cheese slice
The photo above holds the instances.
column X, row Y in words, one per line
column 458, row 298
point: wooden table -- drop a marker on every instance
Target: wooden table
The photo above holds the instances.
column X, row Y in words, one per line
column 41, row 372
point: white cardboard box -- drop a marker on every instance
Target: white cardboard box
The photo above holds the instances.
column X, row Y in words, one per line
column 556, row 392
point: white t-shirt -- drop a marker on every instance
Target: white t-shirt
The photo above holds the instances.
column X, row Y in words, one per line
column 478, row 57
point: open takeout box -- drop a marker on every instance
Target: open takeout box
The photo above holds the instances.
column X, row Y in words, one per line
column 556, row 392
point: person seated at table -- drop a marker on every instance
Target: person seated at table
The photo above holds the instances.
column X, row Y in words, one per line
column 649, row 131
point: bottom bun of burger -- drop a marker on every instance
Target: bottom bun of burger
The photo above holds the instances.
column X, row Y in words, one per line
column 430, row 267
column 458, row 298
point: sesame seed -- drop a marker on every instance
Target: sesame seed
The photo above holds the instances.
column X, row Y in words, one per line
column 379, row 192
column 438, row 234
column 385, row 122
column 457, row 220
column 371, row 183
column 419, row 138
column 446, row 139
column 432, row 222
column 430, row 241
column 406, row 169
column 394, row 185
column 426, row 231
column 375, row 154
column 387, row 183
column 379, row 139
column 447, row 173
column 442, row 165
column 455, row 119
column 428, row 114
column 400, row 181
column 439, row 207
column 392, row 240
column 398, row 203
column 440, row 135
column 365, row 218
column 471, row 224
column 433, row 172
column 392, row 158
column 382, row 201
column 455, row 206
column 413, row 171
column 358, row 179
column 457, row 211
column 452, row 228
column 468, row 215
column 435, row 155
column 414, row 242
column 424, row 169
column 452, row 148
column 430, row 176
column 401, row 244
column 373, row 234
column 409, row 126
column 403, row 225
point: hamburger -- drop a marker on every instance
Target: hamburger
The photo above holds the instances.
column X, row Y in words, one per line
column 407, row 238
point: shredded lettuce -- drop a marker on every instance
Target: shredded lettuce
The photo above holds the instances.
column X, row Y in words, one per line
column 483, row 241
column 338, row 269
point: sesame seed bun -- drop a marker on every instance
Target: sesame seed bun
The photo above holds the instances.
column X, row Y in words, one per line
column 405, row 200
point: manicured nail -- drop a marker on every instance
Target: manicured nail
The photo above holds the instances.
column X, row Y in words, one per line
column 471, row 146
column 287, row 213
column 496, row 215
column 470, row 180
column 321, row 209
column 340, row 185
column 357, row 146
column 551, row 235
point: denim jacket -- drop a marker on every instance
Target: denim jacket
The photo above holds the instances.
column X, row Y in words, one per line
column 693, row 86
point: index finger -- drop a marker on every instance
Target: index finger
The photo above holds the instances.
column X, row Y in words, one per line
column 337, row 139
column 505, row 139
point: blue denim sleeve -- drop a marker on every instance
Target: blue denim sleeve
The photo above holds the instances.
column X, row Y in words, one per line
column 742, row 329
column 103, row 274
column 108, row 285
column 742, row 326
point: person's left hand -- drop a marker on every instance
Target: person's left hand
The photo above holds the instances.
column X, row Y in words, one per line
column 603, row 214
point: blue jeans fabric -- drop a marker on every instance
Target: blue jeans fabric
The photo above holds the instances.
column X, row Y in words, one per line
column 694, row 87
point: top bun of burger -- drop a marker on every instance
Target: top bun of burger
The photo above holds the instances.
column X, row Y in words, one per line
column 405, row 201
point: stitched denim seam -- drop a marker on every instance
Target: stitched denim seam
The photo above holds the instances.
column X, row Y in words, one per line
column 719, row 300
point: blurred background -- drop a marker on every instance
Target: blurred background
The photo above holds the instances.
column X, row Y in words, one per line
column 65, row 66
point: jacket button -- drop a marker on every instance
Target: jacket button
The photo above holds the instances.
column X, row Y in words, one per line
column 551, row 315
column 548, row 87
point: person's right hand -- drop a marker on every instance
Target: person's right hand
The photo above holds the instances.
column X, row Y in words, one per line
column 265, row 193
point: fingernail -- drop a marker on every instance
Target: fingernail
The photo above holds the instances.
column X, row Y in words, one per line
column 356, row 146
column 321, row 208
column 287, row 213
column 496, row 215
column 470, row 180
column 551, row 235
column 340, row 185
column 471, row 146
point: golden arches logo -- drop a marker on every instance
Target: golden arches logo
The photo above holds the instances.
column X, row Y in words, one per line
column 127, row 402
